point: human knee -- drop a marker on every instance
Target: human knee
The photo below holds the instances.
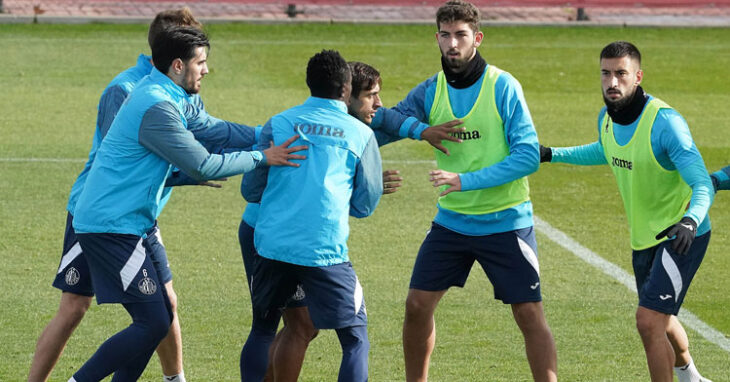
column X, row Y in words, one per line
column 419, row 306
column 646, row 324
column 152, row 319
column 354, row 337
column 73, row 308
column 299, row 322
column 529, row 316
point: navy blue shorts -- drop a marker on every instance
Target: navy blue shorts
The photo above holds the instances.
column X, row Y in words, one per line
column 248, row 252
column 663, row 276
column 334, row 295
column 157, row 252
column 121, row 270
column 509, row 260
column 73, row 272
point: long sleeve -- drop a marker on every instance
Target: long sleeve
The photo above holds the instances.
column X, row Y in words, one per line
column 585, row 155
column 703, row 195
column 109, row 105
column 723, row 178
column 162, row 132
column 254, row 183
column 524, row 153
column 214, row 133
column 368, row 182
column 391, row 125
column 676, row 143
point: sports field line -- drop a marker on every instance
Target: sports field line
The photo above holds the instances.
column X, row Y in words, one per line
column 77, row 160
column 553, row 234
column 44, row 160
column 688, row 318
column 716, row 48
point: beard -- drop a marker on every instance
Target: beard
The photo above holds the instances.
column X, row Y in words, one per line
column 457, row 64
column 619, row 104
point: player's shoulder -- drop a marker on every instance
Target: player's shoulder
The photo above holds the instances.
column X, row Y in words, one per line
column 667, row 114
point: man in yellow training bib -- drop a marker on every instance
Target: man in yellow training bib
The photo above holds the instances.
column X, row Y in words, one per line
column 666, row 193
column 484, row 212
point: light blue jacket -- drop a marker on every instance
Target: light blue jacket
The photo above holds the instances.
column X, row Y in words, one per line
column 125, row 184
column 109, row 104
column 303, row 216
column 214, row 133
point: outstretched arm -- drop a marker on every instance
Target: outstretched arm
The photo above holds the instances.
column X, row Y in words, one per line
column 721, row 179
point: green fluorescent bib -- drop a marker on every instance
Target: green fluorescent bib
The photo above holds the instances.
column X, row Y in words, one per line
column 654, row 198
column 483, row 144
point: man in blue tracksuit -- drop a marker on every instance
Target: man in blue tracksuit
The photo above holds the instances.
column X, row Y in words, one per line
column 666, row 193
column 289, row 346
column 123, row 191
column 72, row 277
column 302, row 227
column 484, row 212
column 388, row 126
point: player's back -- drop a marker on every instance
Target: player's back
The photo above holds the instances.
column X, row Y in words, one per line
column 304, row 210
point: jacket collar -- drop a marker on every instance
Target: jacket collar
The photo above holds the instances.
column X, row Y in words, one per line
column 326, row 103
column 167, row 83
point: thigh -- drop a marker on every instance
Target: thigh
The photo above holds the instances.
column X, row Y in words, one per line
column 444, row 260
column 73, row 273
column 272, row 283
column 509, row 260
column 665, row 284
column 158, row 254
column 121, row 270
column 334, row 296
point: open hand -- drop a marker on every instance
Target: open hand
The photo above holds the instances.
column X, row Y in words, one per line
column 280, row 155
column 441, row 177
column 445, row 131
column 391, row 181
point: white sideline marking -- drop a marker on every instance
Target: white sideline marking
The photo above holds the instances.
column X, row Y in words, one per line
column 688, row 318
column 76, row 160
column 52, row 160
column 408, row 161
column 557, row 236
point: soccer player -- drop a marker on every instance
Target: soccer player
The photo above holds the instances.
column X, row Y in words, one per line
column 484, row 210
column 302, row 227
column 666, row 193
column 72, row 277
column 290, row 344
column 121, row 196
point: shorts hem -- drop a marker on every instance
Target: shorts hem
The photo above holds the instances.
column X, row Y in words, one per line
column 673, row 312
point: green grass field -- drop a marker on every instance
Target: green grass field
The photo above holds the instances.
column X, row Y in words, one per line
column 53, row 76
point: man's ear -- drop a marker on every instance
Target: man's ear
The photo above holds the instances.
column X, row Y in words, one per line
column 177, row 66
column 639, row 77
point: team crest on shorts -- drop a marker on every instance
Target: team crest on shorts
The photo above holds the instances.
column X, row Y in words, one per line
column 72, row 276
column 299, row 294
column 146, row 285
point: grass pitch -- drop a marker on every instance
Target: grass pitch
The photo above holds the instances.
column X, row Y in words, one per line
column 53, row 76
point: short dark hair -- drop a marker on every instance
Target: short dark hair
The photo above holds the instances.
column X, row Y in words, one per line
column 364, row 77
column 458, row 10
column 327, row 74
column 618, row 49
column 182, row 17
column 176, row 42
